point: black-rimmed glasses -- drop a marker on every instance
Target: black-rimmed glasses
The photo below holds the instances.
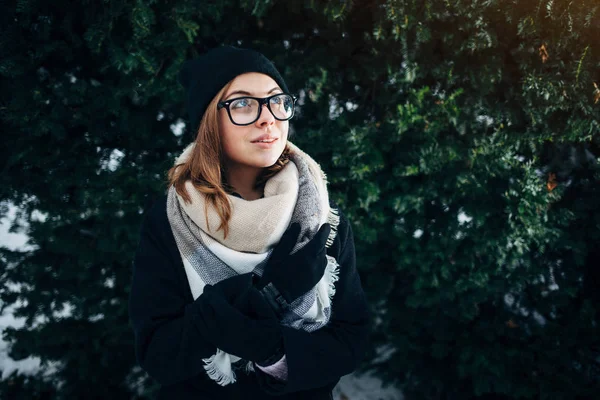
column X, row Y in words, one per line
column 246, row 110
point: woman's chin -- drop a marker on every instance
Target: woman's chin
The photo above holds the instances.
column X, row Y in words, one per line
column 267, row 159
column 265, row 163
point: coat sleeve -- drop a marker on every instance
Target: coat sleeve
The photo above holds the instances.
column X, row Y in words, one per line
column 318, row 359
column 168, row 345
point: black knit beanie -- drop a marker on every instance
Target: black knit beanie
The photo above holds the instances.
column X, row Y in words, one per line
column 203, row 77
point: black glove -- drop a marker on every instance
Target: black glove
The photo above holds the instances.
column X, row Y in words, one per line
column 234, row 287
column 295, row 274
column 249, row 329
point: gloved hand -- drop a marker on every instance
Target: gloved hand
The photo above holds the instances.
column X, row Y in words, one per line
column 248, row 328
column 295, row 274
column 234, row 287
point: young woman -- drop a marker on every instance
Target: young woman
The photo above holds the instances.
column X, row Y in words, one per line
column 244, row 282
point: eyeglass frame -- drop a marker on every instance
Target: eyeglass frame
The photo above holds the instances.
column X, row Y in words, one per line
column 261, row 102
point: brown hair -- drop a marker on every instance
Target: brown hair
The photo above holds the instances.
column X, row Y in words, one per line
column 205, row 167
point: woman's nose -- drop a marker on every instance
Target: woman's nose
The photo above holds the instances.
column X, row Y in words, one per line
column 266, row 117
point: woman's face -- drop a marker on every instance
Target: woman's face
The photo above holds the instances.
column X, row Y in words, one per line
column 241, row 146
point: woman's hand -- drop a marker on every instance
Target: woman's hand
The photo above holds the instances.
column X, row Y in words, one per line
column 295, row 274
column 237, row 319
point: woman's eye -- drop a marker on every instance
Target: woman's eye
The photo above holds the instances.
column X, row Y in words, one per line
column 241, row 103
column 280, row 99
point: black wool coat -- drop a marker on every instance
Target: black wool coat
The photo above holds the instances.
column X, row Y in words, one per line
column 170, row 347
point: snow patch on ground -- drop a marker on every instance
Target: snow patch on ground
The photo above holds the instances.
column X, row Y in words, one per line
column 13, row 241
column 28, row 365
column 364, row 386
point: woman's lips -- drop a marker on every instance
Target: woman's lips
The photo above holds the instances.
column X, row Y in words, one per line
column 265, row 145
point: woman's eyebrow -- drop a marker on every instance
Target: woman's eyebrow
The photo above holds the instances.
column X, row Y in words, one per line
column 243, row 92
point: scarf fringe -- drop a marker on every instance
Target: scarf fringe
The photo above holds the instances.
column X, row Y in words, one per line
column 249, row 367
column 333, row 273
column 333, row 219
column 214, row 373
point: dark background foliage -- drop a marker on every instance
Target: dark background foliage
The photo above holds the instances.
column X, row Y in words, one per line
column 460, row 138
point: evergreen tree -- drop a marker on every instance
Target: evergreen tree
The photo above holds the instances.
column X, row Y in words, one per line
column 461, row 139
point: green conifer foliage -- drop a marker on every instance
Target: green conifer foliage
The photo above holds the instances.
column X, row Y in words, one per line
column 460, row 138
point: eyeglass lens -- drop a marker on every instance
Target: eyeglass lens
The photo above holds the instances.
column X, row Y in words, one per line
column 245, row 110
